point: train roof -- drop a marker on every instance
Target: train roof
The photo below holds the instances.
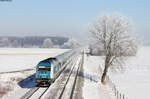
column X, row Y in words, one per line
column 44, row 63
column 48, row 61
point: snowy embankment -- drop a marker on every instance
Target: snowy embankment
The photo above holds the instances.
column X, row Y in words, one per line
column 10, row 82
column 17, row 59
column 92, row 88
column 135, row 81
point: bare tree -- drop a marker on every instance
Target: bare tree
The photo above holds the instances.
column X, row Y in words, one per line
column 112, row 34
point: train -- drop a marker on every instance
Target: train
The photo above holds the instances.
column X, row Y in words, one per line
column 48, row 70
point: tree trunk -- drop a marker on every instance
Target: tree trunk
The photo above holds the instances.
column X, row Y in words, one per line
column 104, row 74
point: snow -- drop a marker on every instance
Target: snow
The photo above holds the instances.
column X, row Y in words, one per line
column 22, row 87
column 13, row 59
column 10, row 82
column 135, row 81
column 17, row 59
column 38, row 93
column 69, row 86
column 56, row 88
column 18, row 94
column 92, row 88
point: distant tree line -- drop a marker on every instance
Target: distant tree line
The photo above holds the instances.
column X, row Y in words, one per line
column 32, row 41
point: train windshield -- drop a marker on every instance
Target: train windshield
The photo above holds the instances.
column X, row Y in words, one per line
column 44, row 69
column 44, row 66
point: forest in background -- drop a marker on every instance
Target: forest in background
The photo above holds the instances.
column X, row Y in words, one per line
column 32, row 41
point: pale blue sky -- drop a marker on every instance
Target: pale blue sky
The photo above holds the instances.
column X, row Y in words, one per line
column 68, row 17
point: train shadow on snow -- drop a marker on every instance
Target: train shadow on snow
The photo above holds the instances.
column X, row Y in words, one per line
column 28, row 82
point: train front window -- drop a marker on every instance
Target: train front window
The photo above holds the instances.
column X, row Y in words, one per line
column 44, row 69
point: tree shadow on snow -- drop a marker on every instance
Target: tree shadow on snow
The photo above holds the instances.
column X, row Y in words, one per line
column 88, row 76
column 28, row 82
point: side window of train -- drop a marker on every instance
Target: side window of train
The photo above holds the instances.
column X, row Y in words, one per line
column 54, row 69
column 59, row 64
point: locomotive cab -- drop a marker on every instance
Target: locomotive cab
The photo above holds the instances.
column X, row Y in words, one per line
column 48, row 70
column 43, row 72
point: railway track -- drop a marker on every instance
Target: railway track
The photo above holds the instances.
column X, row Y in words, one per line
column 66, row 87
column 60, row 84
column 35, row 93
column 69, row 87
column 38, row 92
column 30, row 93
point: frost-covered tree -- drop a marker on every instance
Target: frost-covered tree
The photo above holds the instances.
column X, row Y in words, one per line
column 14, row 43
column 5, row 41
column 72, row 43
column 95, row 49
column 47, row 43
column 112, row 34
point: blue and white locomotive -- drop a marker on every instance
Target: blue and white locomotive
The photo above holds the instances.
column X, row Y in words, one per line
column 49, row 69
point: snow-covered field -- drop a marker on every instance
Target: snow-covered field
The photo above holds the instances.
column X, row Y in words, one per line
column 16, row 59
column 12, row 59
column 135, row 82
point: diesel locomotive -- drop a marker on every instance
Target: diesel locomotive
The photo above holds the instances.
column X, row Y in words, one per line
column 49, row 69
